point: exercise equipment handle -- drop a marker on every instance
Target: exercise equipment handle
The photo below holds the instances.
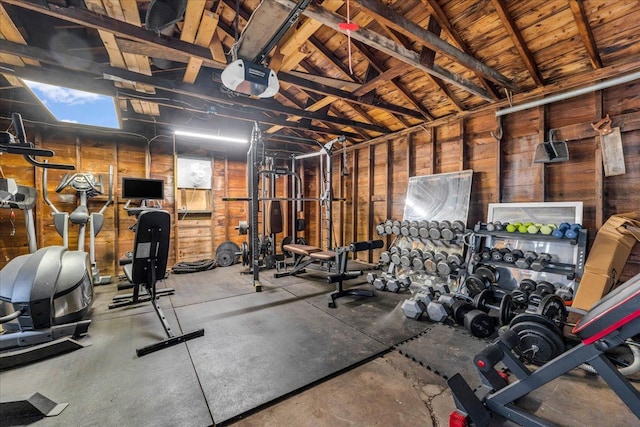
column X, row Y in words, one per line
column 18, row 125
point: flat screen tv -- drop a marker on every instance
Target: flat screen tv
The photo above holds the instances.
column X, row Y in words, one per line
column 139, row 188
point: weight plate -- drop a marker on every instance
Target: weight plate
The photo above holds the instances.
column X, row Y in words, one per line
column 552, row 307
column 228, row 246
column 286, row 241
column 246, row 255
column 535, row 318
column 225, row 258
column 508, row 309
column 480, row 301
column 538, row 344
column 528, row 285
column 270, row 261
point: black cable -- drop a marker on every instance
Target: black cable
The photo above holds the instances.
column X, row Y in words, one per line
column 194, row 266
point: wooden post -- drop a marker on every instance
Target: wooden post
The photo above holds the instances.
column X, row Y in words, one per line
column 354, row 197
column 540, row 190
column 389, row 188
column 462, row 147
column 599, row 178
column 432, row 166
column 370, row 185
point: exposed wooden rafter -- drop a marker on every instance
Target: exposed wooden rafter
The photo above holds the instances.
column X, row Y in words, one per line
column 577, row 8
column 518, row 41
column 391, row 48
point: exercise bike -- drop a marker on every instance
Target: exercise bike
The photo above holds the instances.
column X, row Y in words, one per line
column 44, row 295
column 86, row 186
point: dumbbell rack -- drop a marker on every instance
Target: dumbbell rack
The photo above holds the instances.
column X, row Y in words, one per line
column 482, row 239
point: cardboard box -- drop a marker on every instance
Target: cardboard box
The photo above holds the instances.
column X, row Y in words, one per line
column 607, row 258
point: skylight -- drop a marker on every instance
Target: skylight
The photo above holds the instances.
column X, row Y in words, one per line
column 76, row 106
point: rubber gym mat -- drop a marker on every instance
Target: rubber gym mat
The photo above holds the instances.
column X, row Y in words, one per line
column 446, row 350
column 105, row 384
column 262, row 346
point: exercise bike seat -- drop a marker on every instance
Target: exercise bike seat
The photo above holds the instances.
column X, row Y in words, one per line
column 612, row 312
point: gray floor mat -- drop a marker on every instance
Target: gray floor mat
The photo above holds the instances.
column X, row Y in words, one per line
column 446, row 350
column 260, row 347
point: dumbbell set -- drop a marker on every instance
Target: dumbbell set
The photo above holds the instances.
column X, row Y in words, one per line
column 526, row 260
column 441, row 263
column 435, row 230
column 441, row 305
column 387, row 282
column 562, row 231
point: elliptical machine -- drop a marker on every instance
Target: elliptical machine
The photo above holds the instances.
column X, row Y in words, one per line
column 86, row 186
column 45, row 294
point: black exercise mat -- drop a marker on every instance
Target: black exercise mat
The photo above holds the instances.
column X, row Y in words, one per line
column 259, row 347
column 446, row 350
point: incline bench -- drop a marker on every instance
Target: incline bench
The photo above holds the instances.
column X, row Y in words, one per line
column 336, row 262
column 610, row 323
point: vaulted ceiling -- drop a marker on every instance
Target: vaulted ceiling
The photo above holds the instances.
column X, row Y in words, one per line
column 406, row 62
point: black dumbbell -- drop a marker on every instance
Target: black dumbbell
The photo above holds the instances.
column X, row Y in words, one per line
column 492, row 274
column 479, row 323
column 541, row 262
column 520, row 295
column 512, row 256
column 459, row 309
column 497, row 255
column 542, row 289
column 485, row 255
column 526, row 260
column 476, row 284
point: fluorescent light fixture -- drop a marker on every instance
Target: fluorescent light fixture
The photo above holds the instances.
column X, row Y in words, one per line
column 76, row 106
column 209, row 136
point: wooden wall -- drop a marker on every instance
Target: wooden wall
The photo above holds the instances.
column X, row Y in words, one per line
column 503, row 167
column 373, row 187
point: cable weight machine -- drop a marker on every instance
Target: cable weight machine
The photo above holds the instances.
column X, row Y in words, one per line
column 262, row 173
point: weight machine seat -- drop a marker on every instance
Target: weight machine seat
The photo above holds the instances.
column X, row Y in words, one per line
column 615, row 310
column 323, row 255
column 304, row 250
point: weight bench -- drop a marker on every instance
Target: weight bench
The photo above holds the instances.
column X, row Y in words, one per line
column 609, row 323
column 150, row 253
column 337, row 260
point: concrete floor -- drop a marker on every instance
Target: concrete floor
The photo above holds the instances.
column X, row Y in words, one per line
column 284, row 378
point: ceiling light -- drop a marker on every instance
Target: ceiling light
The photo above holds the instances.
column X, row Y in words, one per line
column 210, row 136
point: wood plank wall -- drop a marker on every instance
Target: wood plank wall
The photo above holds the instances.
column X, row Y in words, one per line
column 373, row 187
column 503, row 167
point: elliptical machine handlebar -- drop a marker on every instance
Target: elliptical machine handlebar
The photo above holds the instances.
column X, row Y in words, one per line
column 27, row 150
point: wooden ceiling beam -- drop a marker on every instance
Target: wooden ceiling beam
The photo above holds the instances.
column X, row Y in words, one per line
column 441, row 18
column 210, row 91
column 407, row 27
column 518, row 41
column 9, row 31
column 329, row 56
column 391, row 48
column 584, row 29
